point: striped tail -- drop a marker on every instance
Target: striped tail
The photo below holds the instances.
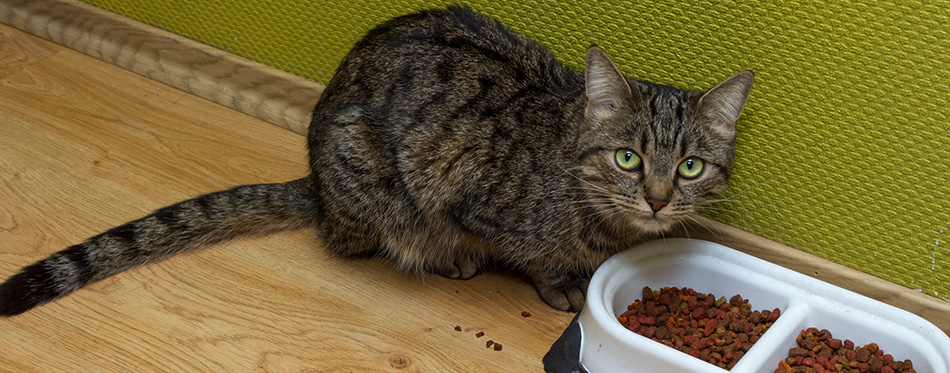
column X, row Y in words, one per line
column 212, row 218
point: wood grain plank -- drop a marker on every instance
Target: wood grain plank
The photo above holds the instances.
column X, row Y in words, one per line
column 19, row 50
column 81, row 152
column 265, row 93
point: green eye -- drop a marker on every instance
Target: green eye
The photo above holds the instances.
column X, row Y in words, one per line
column 691, row 168
column 627, row 159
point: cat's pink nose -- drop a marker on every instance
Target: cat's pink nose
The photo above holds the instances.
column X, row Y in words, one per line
column 656, row 204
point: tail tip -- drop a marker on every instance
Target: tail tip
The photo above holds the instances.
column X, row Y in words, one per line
column 18, row 296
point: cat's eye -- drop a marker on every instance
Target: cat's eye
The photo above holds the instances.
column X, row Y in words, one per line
column 628, row 160
column 691, row 168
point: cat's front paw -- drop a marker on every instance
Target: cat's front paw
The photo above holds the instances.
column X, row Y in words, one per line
column 565, row 297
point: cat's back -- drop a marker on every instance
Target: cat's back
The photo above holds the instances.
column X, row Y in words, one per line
column 452, row 44
column 454, row 27
column 436, row 111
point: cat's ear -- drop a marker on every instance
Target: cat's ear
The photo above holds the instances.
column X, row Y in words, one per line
column 722, row 104
column 607, row 89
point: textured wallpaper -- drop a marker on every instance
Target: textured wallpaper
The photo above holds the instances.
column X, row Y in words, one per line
column 842, row 150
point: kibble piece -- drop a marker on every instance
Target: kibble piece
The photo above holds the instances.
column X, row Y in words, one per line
column 497, row 346
column 458, row 328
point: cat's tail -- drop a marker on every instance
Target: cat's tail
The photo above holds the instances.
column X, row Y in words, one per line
column 243, row 211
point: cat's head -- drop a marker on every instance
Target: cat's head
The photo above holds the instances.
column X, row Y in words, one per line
column 651, row 154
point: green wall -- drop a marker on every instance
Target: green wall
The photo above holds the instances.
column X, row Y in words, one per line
column 842, row 151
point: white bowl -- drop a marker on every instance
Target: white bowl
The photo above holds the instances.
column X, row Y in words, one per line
column 607, row 346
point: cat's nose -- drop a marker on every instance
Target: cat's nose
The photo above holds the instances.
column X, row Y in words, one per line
column 657, row 204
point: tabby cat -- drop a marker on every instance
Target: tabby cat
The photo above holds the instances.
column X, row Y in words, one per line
column 448, row 143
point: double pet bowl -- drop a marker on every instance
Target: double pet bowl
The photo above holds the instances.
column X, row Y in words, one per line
column 596, row 342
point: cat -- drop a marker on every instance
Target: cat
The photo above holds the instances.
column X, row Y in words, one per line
column 448, row 143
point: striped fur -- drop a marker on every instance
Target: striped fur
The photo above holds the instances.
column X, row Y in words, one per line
column 208, row 219
column 450, row 144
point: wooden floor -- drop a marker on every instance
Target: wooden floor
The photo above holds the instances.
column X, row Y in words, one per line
column 85, row 146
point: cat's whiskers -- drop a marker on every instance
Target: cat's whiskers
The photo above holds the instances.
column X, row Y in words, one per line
column 588, row 192
column 699, row 222
column 594, row 196
column 682, row 225
column 597, row 194
column 606, row 197
column 588, row 183
column 731, row 198
column 720, row 200
column 592, row 201
column 603, row 213
column 711, row 208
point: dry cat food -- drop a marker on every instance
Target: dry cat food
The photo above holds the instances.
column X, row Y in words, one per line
column 819, row 352
column 714, row 330
column 488, row 344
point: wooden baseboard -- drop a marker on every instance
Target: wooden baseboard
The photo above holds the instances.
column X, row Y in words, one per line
column 249, row 87
column 286, row 100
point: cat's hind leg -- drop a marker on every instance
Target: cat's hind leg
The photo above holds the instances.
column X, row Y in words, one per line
column 349, row 240
column 459, row 269
column 448, row 254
